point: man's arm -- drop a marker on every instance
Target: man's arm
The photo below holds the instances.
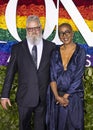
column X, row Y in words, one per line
column 11, row 70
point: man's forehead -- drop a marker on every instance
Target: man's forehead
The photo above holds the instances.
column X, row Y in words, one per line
column 32, row 24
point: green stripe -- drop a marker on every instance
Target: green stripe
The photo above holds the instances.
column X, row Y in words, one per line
column 6, row 36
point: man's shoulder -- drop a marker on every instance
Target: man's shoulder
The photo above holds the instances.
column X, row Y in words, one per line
column 49, row 43
column 18, row 44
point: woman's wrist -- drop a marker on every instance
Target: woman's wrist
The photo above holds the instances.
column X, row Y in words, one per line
column 57, row 97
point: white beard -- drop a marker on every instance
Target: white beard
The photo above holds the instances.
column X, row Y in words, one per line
column 34, row 39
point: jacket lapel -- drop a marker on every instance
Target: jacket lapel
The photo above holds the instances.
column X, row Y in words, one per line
column 44, row 56
column 27, row 52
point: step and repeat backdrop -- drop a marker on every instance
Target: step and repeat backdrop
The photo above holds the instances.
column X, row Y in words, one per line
column 79, row 13
column 13, row 14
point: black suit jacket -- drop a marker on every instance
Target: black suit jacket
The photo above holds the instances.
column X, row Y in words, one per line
column 32, row 83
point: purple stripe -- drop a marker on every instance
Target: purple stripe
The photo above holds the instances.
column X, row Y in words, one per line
column 3, row 58
column 89, row 60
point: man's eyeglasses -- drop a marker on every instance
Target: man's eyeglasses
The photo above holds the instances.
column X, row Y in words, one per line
column 33, row 28
column 67, row 32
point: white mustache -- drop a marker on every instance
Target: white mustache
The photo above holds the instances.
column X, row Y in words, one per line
column 34, row 39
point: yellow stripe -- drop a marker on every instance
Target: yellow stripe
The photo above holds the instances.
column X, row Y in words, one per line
column 2, row 22
column 21, row 22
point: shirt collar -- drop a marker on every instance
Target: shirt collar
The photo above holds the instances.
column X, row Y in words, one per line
column 38, row 45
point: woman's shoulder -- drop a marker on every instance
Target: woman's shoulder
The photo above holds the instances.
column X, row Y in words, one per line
column 56, row 51
column 57, row 48
column 80, row 49
column 79, row 46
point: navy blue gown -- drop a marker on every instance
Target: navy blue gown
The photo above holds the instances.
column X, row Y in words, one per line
column 69, row 81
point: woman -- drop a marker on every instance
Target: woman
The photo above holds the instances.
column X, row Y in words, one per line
column 65, row 93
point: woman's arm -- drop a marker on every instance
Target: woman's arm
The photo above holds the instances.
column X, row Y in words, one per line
column 61, row 100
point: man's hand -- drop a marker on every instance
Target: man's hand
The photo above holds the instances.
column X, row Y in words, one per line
column 5, row 102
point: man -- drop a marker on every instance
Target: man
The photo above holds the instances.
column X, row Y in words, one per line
column 33, row 76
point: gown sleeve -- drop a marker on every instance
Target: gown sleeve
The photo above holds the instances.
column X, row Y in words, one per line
column 51, row 119
column 76, row 83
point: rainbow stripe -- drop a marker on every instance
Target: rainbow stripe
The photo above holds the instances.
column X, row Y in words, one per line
column 37, row 7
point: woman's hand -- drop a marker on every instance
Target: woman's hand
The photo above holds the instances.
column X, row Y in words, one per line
column 66, row 95
column 62, row 101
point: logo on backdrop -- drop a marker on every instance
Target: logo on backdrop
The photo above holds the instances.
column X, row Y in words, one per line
column 51, row 22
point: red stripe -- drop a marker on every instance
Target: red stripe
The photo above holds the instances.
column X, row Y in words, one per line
column 41, row 2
